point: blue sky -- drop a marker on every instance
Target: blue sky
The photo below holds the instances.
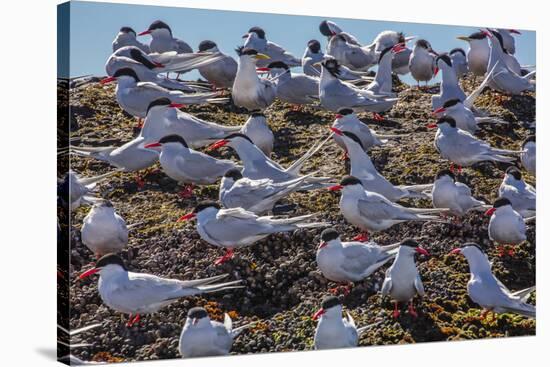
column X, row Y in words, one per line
column 94, row 26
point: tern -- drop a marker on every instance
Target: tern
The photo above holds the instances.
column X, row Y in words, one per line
column 400, row 60
column 449, row 87
column 402, row 281
column 258, row 166
column 529, row 155
column 134, row 96
column 332, row 330
column 329, row 29
column 506, row 226
column 80, row 187
column 508, row 40
column 104, row 230
column 382, row 83
column 448, row 193
column 296, row 89
column 249, row 91
column 462, row 148
column 255, row 39
column 421, row 62
column 257, row 196
column 221, row 74
column 349, row 54
column 478, row 52
column 140, row 293
column 372, row 181
column 489, row 292
column 372, row 212
column 203, row 337
column 237, row 227
column 163, row 40
column 459, row 61
column 188, row 166
column 348, row 262
column 522, row 195
column 127, row 37
column 335, row 94
column 257, row 129
column 165, row 118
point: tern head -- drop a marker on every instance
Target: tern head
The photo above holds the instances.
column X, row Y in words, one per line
column 139, row 56
column 257, row 116
column 204, row 207
column 449, row 106
column 332, row 66
column 158, row 27
column 325, row 29
column 314, row 46
column 276, row 68
column 443, row 61
column 233, row 174
column 257, row 31
column 103, row 204
column 169, row 141
column 445, row 122
column 330, row 307
column 163, row 104
column 348, row 134
column 329, row 237
column 457, row 50
column 423, row 44
column 445, row 174
column 476, row 36
column 198, row 316
column 122, row 74
column 498, row 37
column 250, row 54
column 470, row 250
column 208, row 46
column 499, row 203
column 110, row 263
column 348, row 183
column 410, row 247
column 513, row 173
column 342, row 114
column 128, row 30
column 530, row 139
column 231, row 139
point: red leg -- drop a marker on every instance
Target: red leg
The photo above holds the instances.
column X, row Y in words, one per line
column 139, row 123
column 296, row 108
column 362, row 237
column 377, row 117
column 396, row 312
column 485, row 313
column 228, row 255
column 133, row 321
column 511, row 251
column 345, row 156
column 139, row 181
column 501, row 250
column 345, row 288
column 412, row 311
column 187, row 191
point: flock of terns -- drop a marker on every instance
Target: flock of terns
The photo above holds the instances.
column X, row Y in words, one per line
column 250, row 190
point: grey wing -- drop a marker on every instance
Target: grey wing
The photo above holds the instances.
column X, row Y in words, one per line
column 146, row 290
column 123, row 229
column 418, row 285
column 183, row 47
column 151, row 91
column 378, row 207
column 223, row 340
column 361, row 260
column 203, row 167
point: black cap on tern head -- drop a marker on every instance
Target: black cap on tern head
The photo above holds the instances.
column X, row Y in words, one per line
column 314, row 46
column 277, row 65
column 329, row 234
column 206, row 45
column 233, row 173
column 423, row 43
column 445, row 172
column 173, row 139
column 409, row 242
column 138, row 55
column 238, row 135
column 104, row 203
column 197, row 313
column 353, row 137
column 257, row 114
column 159, row 102
column 350, row 180
column 345, row 111
column 514, row 171
column 447, row 119
column 241, row 50
column 329, row 302
column 477, row 35
column 259, row 31
column 127, row 30
column 205, row 205
column 451, row 102
column 401, row 37
column 498, row 36
column 325, row 29
column 472, row 244
column 501, row 202
column 530, row 138
column 126, row 72
column 332, row 66
column 445, row 58
column 159, row 24
column 110, row 259
column 459, row 50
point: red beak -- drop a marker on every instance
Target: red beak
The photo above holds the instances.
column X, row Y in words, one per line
column 176, row 105
column 88, row 273
column 318, row 314
column 158, row 64
column 398, row 48
column 185, row 217
column 455, row 251
column 263, row 70
column 322, row 244
column 144, row 33
column 336, row 131
column 218, row 144
column 152, row 145
column 422, row 250
column 487, row 33
column 338, row 116
column 108, row 80
column 490, row 211
column 436, row 70
column 439, row 110
column 336, row 188
column 431, row 126
column 515, row 31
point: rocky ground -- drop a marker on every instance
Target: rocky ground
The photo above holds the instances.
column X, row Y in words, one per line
column 283, row 285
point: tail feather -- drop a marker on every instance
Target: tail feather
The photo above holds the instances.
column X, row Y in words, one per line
column 296, row 166
column 524, row 293
column 490, row 120
column 86, row 181
column 203, row 281
column 221, row 286
column 235, row 332
column 469, row 101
